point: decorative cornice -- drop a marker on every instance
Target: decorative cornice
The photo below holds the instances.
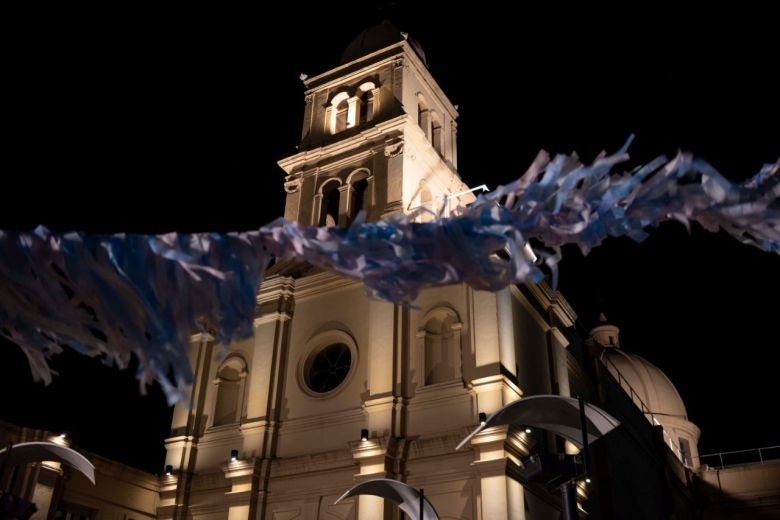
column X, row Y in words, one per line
column 343, row 148
column 335, row 460
column 201, row 337
column 494, row 382
column 358, row 73
column 322, row 283
column 180, row 438
column 323, row 420
column 438, row 445
column 270, row 317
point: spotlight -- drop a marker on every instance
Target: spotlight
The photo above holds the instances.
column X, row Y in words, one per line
column 528, row 430
column 482, row 418
column 304, row 76
column 62, row 436
column 168, row 470
column 587, row 480
column 233, row 455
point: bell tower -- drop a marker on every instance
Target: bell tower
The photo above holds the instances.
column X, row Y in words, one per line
column 335, row 387
column 379, row 135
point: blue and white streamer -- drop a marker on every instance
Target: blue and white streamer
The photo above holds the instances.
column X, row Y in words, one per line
column 118, row 295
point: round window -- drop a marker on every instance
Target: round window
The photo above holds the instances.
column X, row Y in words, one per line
column 327, row 368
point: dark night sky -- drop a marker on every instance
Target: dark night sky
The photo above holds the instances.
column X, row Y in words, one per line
column 150, row 122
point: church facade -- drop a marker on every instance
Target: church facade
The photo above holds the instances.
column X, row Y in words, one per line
column 327, row 362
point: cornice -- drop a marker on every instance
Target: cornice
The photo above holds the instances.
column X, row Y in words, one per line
column 343, row 147
column 322, row 283
column 323, row 420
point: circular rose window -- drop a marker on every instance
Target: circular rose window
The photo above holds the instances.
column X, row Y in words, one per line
column 327, row 368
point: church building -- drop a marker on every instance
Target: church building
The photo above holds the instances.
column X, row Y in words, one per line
column 336, row 387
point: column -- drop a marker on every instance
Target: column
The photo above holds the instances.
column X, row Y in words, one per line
column 373, row 457
column 502, row 496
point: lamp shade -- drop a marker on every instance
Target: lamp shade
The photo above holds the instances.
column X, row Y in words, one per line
column 404, row 496
column 26, row 452
column 556, row 413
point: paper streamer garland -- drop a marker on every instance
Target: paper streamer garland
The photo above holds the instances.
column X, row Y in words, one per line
column 117, row 295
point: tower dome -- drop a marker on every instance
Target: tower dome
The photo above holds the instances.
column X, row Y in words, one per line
column 376, row 38
column 645, row 382
column 649, row 382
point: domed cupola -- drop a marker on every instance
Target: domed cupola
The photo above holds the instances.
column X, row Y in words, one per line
column 376, row 38
column 649, row 384
column 605, row 333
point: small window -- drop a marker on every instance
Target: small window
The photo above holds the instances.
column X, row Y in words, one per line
column 424, row 117
column 359, row 194
column 685, row 451
column 329, row 212
column 366, row 94
column 230, row 389
column 436, row 136
column 342, row 110
column 337, row 114
column 441, row 344
column 367, row 107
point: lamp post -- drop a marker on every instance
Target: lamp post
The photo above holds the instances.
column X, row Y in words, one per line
column 574, row 420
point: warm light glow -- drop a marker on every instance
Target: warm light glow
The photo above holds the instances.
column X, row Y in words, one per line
column 62, row 436
column 587, row 480
column 528, row 430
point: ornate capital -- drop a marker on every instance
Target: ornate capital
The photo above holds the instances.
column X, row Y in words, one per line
column 394, row 149
column 292, row 186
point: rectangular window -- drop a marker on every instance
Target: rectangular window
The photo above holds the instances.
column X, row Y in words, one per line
column 437, row 138
column 685, row 451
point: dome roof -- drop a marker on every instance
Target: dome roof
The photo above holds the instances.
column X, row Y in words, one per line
column 378, row 37
column 647, row 380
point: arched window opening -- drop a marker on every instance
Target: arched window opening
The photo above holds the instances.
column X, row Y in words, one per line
column 359, row 194
column 441, row 347
column 424, row 117
column 342, row 110
column 367, row 107
column 436, row 135
column 337, row 114
column 230, row 390
column 329, row 212
column 366, row 94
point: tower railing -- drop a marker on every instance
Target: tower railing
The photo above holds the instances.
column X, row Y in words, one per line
column 725, row 459
column 639, row 403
